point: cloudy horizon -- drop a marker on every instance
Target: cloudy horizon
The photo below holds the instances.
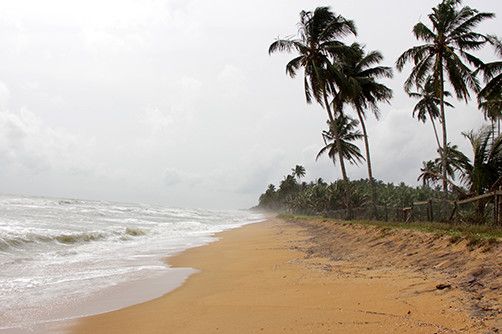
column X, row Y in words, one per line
column 178, row 102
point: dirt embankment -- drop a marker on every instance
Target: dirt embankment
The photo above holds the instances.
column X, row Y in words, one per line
column 472, row 268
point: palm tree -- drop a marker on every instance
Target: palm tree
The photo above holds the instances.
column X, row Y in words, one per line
column 445, row 50
column 347, row 133
column 316, row 43
column 298, row 172
column 485, row 172
column 267, row 199
column 428, row 170
column 428, row 105
column 362, row 91
column 455, row 162
column 490, row 97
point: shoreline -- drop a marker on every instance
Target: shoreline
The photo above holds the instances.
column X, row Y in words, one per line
column 58, row 317
column 259, row 278
column 109, row 299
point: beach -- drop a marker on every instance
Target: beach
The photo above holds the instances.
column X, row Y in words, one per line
column 277, row 277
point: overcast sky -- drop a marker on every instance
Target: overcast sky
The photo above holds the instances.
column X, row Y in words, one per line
column 177, row 102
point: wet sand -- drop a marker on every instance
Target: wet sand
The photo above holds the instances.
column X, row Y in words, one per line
column 266, row 278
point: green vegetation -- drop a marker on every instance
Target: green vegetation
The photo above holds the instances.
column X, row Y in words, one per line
column 345, row 79
column 320, row 197
column 474, row 234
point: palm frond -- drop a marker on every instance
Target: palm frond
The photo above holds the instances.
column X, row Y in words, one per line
column 415, row 54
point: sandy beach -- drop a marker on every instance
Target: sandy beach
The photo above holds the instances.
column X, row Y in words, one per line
column 281, row 277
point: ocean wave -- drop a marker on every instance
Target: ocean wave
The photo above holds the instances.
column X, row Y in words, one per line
column 134, row 231
column 16, row 242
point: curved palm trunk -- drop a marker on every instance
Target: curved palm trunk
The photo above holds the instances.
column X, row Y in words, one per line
column 368, row 163
column 493, row 131
column 435, row 132
column 445, row 138
column 335, row 134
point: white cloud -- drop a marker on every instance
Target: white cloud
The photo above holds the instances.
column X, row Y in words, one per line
column 28, row 144
column 190, row 84
column 232, row 81
column 4, row 95
column 157, row 121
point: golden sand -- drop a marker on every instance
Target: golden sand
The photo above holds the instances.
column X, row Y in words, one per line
column 259, row 279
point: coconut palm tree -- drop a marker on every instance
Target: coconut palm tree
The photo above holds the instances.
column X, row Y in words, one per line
column 316, row 43
column 360, row 89
column 455, row 163
column 428, row 170
column 485, row 171
column 428, row 105
column 445, row 55
column 347, row 134
column 490, row 97
column 298, row 172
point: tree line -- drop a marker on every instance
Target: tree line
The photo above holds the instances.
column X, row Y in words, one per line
column 346, row 81
column 320, row 197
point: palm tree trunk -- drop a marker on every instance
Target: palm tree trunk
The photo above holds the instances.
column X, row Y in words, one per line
column 435, row 132
column 445, row 137
column 493, row 131
column 368, row 163
column 335, row 134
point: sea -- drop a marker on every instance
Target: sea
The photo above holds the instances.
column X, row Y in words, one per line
column 58, row 255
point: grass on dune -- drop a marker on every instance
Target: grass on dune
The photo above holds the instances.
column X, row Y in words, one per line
column 475, row 234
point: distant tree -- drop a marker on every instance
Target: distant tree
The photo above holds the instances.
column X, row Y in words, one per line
column 268, row 199
column 298, row 172
column 456, row 161
column 428, row 171
column 346, row 128
column 428, row 105
column 446, row 49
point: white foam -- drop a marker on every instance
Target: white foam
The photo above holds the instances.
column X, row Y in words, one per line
column 56, row 251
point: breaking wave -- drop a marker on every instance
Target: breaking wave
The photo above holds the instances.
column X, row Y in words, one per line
column 19, row 241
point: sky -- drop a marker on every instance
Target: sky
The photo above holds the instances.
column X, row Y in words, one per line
column 177, row 102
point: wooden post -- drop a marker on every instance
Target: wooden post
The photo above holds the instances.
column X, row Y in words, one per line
column 431, row 213
column 428, row 211
column 499, row 209
column 495, row 208
column 453, row 211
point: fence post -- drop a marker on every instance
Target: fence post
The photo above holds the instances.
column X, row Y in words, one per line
column 453, row 211
column 499, row 209
column 496, row 208
column 431, row 213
